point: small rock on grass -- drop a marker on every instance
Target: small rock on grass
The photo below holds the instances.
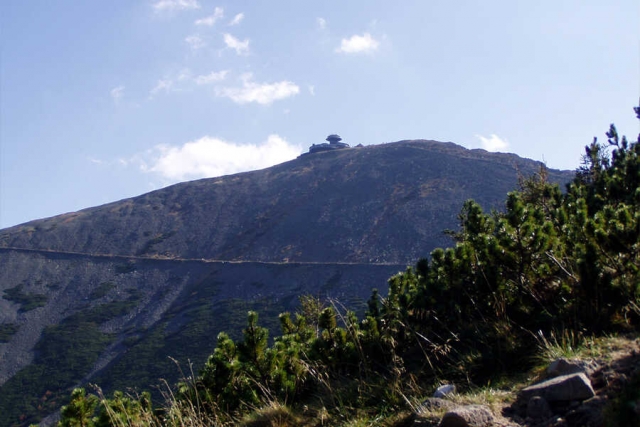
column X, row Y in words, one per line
column 468, row 416
column 444, row 390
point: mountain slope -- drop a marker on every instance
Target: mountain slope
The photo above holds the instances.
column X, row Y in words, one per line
column 384, row 203
column 107, row 294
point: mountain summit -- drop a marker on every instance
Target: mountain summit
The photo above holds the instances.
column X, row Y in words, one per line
column 108, row 294
column 384, row 203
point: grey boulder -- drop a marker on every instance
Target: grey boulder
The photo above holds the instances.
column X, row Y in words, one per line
column 563, row 388
column 468, row 416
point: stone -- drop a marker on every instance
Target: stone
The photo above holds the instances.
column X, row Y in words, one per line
column 433, row 404
column 589, row 414
column 468, row 416
column 538, row 408
column 564, row 366
column 562, row 388
column 444, row 390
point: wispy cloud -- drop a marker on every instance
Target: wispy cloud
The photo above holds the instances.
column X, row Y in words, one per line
column 237, row 19
column 211, row 157
column 175, row 5
column 260, row 93
column 312, row 90
column 358, row 44
column 212, row 77
column 493, row 143
column 117, row 93
column 322, row 23
column 209, row 21
column 195, row 42
column 95, row 161
column 184, row 74
column 163, row 85
column 241, row 47
column 172, row 82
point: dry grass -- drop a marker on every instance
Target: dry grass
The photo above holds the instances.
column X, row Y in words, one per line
column 572, row 345
column 272, row 415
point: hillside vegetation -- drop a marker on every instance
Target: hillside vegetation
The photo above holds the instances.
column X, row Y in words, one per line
column 553, row 264
column 161, row 274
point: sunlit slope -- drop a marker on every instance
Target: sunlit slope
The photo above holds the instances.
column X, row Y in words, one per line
column 382, row 203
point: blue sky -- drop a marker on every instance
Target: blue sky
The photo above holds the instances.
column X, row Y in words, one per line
column 103, row 100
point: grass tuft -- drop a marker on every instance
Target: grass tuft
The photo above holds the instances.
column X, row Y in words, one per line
column 272, row 415
column 566, row 344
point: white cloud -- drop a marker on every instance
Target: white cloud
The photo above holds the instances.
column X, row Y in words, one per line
column 211, row 77
column 163, row 85
column 358, row 44
column 493, row 143
column 174, row 82
column 95, row 161
column 322, row 23
column 312, row 90
column 117, row 93
column 261, row 93
column 209, row 21
column 175, row 5
column 211, row 157
column 185, row 74
column 237, row 19
column 195, row 42
column 241, row 47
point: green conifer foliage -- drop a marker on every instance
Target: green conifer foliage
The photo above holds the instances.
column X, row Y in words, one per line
column 79, row 412
column 224, row 379
column 122, row 410
column 552, row 261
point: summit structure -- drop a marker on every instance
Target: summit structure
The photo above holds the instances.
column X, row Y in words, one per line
column 334, row 144
column 334, row 139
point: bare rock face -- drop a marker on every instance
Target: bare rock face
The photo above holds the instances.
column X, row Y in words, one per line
column 573, row 387
column 468, row 416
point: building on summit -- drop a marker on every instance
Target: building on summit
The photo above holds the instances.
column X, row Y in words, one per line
column 334, row 144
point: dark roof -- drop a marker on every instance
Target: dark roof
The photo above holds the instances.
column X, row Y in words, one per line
column 334, row 137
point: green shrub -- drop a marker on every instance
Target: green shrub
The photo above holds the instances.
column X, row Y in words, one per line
column 102, row 290
column 7, row 330
column 27, row 302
